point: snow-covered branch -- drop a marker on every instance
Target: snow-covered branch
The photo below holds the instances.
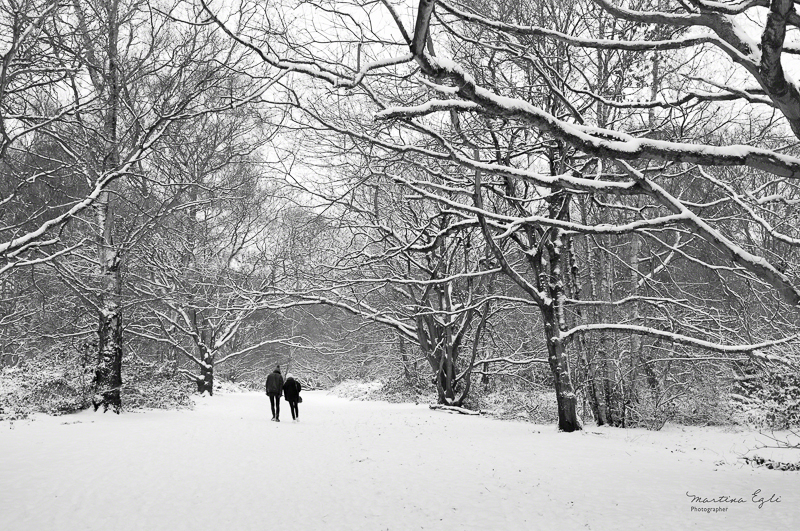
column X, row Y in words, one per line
column 753, row 350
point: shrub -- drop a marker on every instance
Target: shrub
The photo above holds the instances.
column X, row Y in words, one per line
column 769, row 400
column 154, row 385
column 56, row 383
column 60, row 382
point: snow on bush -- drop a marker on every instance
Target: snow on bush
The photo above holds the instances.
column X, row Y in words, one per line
column 537, row 406
column 60, row 382
column 356, row 390
column 153, row 385
column 55, row 383
column 225, row 387
column 770, row 400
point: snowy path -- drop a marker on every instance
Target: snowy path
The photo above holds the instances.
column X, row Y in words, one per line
column 369, row 466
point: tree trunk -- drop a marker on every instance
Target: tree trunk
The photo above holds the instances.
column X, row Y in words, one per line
column 565, row 394
column 108, row 372
column 205, row 382
column 609, row 392
column 590, row 382
column 554, row 316
column 589, row 375
column 450, row 375
column 635, row 339
column 445, row 379
column 608, row 359
column 404, row 358
column 559, row 366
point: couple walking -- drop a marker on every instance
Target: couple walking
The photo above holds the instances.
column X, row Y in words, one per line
column 290, row 389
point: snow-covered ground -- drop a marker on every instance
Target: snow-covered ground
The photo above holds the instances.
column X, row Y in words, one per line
column 351, row 465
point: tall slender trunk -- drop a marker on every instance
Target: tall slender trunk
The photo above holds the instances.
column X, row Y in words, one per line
column 449, row 369
column 635, row 340
column 108, row 372
column 637, row 359
column 608, row 361
column 584, row 347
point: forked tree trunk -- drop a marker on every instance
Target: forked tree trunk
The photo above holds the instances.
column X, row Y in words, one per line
column 440, row 357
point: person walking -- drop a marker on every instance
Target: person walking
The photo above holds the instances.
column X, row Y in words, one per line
column 274, row 387
column 291, row 392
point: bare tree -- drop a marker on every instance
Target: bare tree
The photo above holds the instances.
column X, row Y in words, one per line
column 412, row 265
column 205, row 278
column 558, row 101
column 35, row 100
column 144, row 72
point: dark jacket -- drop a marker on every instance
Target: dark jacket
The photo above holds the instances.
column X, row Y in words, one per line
column 291, row 390
column 274, row 383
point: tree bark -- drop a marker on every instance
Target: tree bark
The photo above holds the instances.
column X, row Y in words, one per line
column 587, row 369
column 444, row 378
column 205, row 382
column 559, row 367
column 404, row 357
column 108, row 373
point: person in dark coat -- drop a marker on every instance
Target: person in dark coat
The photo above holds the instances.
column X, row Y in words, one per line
column 291, row 392
column 274, row 387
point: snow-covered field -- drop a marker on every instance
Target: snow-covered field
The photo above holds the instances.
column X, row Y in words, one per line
column 353, row 465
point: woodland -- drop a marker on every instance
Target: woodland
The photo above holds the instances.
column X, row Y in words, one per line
column 588, row 206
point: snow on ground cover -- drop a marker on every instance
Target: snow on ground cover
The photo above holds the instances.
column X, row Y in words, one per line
column 356, row 389
column 355, row 465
